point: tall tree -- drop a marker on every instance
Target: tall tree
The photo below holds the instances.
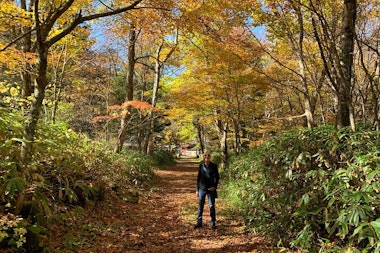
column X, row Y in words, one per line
column 163, row 54
column 367, row 70
column 132, row 38
column 346, row 115
column 336, row 45
column 153, row 46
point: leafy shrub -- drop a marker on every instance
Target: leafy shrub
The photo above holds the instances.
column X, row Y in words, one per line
column 139, row 167
column 12, row 231
column 18, row 235
column 163, row 157
column 216, row 157
column 312, row 189
column 129, row 167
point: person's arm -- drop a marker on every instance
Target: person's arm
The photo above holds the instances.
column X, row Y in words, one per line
column 216, row 177
column 198, row 179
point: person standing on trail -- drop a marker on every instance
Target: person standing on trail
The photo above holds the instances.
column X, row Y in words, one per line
column 207, row 183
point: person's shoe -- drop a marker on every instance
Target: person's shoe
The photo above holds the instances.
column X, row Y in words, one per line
column 198, row 225
column 213, row 226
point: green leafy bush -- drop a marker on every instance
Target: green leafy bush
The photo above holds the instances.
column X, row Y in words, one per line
column 12, row 231
column 129, row 167
column 312, row 189
column 163, row 157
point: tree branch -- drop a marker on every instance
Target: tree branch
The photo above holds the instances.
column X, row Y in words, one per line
column 17, row 39
column 81, row 19
column 108, row 7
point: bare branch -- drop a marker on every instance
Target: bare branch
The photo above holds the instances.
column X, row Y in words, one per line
column 108, row 7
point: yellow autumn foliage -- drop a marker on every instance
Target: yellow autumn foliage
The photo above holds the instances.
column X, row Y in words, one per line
column 3, row 88
column 14, row 92
column 12, row 15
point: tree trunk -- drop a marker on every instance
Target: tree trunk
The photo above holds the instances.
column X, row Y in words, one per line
column 129, row 89
column 345, row 116
column 336, row 51
column 57, row 97
column 223, row 144
column 58, row 77
column 222, row 130
column 26, row 47
column 159, row 65
column 156, row 84
column 302, row 64
column 305, row 90
column 35, row 109
column 375, row 97
column 237, row 136
column 199, row 128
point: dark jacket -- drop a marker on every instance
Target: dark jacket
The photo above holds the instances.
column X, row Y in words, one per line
column 207, row 176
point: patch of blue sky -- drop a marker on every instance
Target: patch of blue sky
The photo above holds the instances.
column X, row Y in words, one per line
column 103, row 39
column 259, row 31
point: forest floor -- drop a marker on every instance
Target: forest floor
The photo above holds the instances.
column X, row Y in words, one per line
column 161, row 220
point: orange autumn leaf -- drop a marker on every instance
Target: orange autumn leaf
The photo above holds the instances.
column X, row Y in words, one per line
column 140, row 105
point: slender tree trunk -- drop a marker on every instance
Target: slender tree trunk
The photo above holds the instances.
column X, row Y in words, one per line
column 156, row 85
column 375, row 96
column 200, row 136
column 373, row 78
column 57, row 97
column 309, row 112
column 237, row 136
column 301, row 57
column 129, row 89
column 58, row 80
column 159, row 65
column 223, row 144
column 345, row 115
column 27, row 88
column 222, row 131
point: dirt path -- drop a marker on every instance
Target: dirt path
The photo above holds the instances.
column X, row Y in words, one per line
column 162, row 221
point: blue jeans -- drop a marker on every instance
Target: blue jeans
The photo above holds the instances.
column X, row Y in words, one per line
column 211, row 203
